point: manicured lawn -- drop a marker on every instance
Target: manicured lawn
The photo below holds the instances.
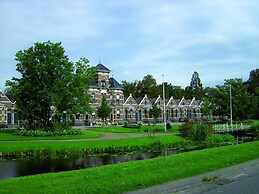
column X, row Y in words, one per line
column 10, row 137
column 133, row 175
column 121, row 129
column 84, row 144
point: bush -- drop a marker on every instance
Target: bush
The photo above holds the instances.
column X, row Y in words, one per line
column 186, row 128
column 201, row 131
column 168, row 126
column 253, row 131
column 42, row 133
column 125, row 124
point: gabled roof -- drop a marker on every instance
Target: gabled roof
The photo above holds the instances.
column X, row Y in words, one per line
column 114, row 84
column 138, row 99
column 101, row 67
column 11, row 97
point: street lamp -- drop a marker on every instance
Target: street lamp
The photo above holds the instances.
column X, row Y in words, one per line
column 164, row 102
column 230, row 104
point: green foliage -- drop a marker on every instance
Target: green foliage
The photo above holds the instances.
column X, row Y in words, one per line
column 130, row 88
column 186, row 129
column 195, row 89
column 221, row 139
column 254, row 131
column 201, row 131
column 155, row 112
column 125, row 124
column 43, row 133
column 244, row 104
column 9, row 136
column 137, row 126
column 168, row 126
column 51, row 87
column 147, row 87
column 104, row 110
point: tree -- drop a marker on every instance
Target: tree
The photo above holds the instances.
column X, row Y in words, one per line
column 244, row 105
column 130, row 88
column 253, row 87
column 155, row 112
column 253, row 82
column 50, row 85
column 104, row 110
column 147, row 86
column 195, row 89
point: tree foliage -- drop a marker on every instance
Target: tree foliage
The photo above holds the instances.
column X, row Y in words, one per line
column 147, row 86
column 195, row 89
column 50, row 85
column 155, row 112
column 104, row 110
column 130, row 88
column 244, row 105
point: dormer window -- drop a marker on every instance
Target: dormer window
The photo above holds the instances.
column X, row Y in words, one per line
column 103, row 84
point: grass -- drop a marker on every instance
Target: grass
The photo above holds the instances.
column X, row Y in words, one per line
column 133, row 175
column 121, row 129
column 4, row 136
column 82, row 144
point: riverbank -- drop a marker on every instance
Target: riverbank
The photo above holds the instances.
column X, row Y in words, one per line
column 133, row 175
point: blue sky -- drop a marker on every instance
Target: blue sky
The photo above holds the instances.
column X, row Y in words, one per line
column 219, row 39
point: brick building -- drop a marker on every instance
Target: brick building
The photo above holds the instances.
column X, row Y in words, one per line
column 133, row 109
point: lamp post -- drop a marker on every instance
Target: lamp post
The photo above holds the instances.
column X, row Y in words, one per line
column 230, row 104
column 164, row 102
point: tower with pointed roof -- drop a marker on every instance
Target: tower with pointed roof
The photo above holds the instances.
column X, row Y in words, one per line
column 109, row 86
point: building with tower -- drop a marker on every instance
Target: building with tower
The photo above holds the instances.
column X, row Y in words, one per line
column 133, row 109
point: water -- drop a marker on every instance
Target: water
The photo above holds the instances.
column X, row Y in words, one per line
column 17, row 168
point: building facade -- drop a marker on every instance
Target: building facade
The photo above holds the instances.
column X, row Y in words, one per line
column 123, row 108
column 7, row 105
column 133, row 109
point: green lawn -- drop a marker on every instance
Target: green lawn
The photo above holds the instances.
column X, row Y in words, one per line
column 4, row 136
column 84, row 144
column 133, row 175
column 121, row 129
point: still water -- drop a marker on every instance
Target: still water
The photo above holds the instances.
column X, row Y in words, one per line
column 17, row 168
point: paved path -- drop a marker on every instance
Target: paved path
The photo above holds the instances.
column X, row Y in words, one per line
column 242, row 178
column 104, row 136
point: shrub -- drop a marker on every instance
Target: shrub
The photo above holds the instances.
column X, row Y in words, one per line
column 201, row 131
column 254, row 131
column 186, row 128
column 125, row 124
column 42, row 133
column 168, row 126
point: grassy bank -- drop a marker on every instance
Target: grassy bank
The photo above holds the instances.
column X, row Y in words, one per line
column 55, row 145
column 133, row 175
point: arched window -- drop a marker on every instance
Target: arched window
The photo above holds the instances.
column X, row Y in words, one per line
column 103, row 84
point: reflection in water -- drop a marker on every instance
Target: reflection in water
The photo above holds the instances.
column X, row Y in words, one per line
column 16, row 168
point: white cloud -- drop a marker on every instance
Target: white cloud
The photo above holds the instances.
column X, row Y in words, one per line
column 139, row 37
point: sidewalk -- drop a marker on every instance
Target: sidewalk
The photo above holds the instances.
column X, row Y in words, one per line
column 196, row 184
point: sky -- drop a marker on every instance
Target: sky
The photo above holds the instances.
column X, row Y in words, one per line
column 133, row 38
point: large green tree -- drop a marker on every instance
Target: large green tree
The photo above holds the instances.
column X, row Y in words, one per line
column 130, row 88
column 51, row 87
column 244, row 105
column 147, row 86
column 253, row 87
column 195, row 89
